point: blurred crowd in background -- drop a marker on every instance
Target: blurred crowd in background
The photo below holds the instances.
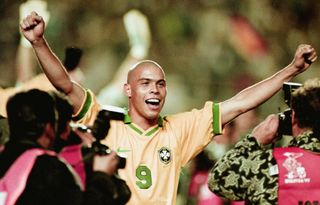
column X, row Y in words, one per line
column 208, row 49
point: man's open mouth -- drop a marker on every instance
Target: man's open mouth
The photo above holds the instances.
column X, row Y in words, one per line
column 153, row 101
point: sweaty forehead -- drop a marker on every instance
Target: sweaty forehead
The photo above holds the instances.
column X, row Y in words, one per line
column 148, row 70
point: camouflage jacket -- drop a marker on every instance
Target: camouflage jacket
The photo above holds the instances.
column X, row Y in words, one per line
column 243, row 173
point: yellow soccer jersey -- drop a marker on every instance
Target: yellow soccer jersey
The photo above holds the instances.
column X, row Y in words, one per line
column 155, row 156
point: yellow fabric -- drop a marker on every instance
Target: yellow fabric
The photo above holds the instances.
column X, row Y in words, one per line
column 184, row 135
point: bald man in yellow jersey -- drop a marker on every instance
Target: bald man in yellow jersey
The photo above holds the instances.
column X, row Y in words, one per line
column 156, row 148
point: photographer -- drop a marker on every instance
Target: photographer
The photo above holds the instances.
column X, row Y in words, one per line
column 261, row 175
column 31, row 173
column 83, row 147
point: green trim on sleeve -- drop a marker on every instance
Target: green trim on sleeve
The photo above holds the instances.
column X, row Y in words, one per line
column 216, row 122
column 85, row 107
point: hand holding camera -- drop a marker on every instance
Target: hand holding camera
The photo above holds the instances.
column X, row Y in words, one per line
column 285, row 118
column 275, row 126
column 106, row 163
column 93, row 135
column 266, row 131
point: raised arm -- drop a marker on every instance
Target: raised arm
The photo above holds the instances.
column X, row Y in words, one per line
column 25, row 60
column 257, row 94
column 32, row 28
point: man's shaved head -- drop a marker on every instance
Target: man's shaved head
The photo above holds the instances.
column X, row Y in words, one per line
column 141, row 65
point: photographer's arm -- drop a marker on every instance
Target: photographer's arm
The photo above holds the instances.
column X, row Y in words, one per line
column 102, row 186
column 244, row 162
column 32, row 28
column 106, row 163
column 257, row 94
column 230, row 174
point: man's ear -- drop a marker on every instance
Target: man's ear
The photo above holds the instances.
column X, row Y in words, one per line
column 65, row 134
column 47, row 137
column 127, row 90
column 296, row 129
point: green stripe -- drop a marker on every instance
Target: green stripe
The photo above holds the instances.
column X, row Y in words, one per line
column 85, row 107
column 152, row 131
column 127, row 120
column 216, row 118
column 160, row 121
column 135, row 128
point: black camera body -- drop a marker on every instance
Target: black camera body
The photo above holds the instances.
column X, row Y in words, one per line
column 285, row 117
column 99, row 130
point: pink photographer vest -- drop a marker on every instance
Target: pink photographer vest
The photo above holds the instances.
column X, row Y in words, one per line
column 73, row 155
column 299, row 176
column 14, row 181
column 198, row 188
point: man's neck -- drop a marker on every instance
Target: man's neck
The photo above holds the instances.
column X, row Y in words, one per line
column 297, row 131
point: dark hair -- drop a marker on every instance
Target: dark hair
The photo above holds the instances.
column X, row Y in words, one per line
column 64, row 110
column 72, row 58
column 29, row 112
column 306, row 105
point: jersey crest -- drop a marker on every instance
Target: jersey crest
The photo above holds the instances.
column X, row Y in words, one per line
column 165, row 155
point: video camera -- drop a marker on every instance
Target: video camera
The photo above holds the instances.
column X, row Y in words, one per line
column 100, row 130
column 285, row 117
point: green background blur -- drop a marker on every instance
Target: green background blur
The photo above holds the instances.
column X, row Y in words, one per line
column 198, row 42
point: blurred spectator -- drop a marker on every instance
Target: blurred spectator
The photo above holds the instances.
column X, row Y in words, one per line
column 71, row 62
column 36, row 120
column 138, row 31
column 199, row 193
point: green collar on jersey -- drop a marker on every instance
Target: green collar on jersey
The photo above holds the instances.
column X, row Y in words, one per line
column 127, row 120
